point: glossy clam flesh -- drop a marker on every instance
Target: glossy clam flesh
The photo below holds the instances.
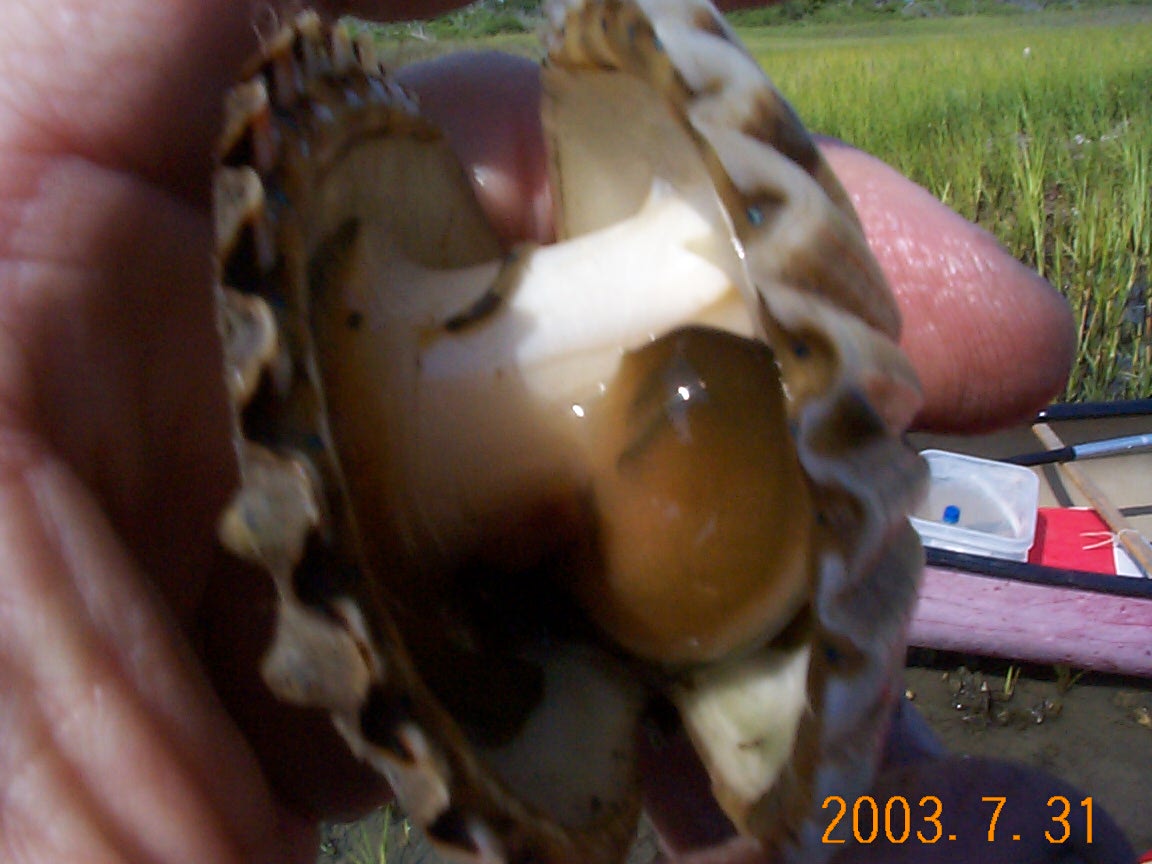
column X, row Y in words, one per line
column 510, row 500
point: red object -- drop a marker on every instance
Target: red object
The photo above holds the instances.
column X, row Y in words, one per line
column 1073, row 538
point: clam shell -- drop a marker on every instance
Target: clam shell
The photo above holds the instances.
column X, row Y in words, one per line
column 445, row 538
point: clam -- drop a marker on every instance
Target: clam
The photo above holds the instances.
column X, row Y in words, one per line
column 511, row 501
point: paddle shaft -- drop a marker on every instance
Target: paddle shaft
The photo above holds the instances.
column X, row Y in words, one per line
column 1087, row 450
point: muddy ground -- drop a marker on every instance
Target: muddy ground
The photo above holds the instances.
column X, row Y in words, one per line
column 1093, row 730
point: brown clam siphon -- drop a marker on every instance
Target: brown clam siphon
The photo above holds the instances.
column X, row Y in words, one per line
column 509, row 501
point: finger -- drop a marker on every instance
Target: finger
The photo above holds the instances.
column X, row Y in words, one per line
column 488, row 105
column 991, row 340
column 161, row 69
column 131, row 87
column 105, row 721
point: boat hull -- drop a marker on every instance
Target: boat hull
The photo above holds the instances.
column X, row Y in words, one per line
column 1095, row 625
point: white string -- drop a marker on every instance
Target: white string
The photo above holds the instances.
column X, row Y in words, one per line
column 1108, row 538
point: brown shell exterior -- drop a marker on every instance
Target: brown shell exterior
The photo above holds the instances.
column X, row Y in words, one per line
column 345, row 640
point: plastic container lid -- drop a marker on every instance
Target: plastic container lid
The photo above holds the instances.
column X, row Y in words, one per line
column 978, row 506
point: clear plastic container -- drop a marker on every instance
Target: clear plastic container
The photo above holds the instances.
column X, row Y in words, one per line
column 978, row 506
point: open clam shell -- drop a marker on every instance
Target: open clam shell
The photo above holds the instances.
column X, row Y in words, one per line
column 508, row 500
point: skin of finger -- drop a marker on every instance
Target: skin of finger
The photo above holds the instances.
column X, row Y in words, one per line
column 105, row 257
column 167, row 62
column 114, row 345
column 991, row 340
column 488, row 105
column 107, row 724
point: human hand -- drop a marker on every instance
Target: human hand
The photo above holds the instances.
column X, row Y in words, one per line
column 125, row 635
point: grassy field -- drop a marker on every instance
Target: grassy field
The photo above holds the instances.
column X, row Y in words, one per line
column 1038, row 127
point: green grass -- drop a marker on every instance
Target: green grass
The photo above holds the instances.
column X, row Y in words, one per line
column 379, row 838
column 1037, row 127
